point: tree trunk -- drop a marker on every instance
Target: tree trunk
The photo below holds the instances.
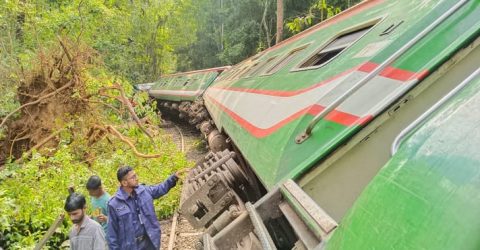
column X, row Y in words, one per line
column 279, row 21
column 265, row 25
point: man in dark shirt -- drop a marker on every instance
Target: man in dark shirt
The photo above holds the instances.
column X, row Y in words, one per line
column 132, row 222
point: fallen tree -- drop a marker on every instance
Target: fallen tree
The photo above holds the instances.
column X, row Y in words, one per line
column 55, row 94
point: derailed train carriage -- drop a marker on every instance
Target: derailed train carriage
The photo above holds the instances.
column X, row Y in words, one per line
column 300, row 135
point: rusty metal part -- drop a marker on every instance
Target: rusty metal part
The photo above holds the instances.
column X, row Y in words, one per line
column 197, row 112
column 243, row 233
column 217, row 141
column 260, row 229
column 212, row 188
column 174, row 106
column 199, row 116
column 224, row 219
column 275, row 221
column 210, row 200
column 184, row 107
column 249, row 242
column 214, row 166
column 206, row 127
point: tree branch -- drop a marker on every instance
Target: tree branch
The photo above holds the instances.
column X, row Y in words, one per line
column 124, row 100
column 110, row 129
column 39, row 145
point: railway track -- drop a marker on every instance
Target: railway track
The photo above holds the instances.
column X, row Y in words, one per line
column 177, row 233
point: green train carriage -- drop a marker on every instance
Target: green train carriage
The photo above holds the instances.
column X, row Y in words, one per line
column 308, row 124
column 181, row 93
column 427, row 195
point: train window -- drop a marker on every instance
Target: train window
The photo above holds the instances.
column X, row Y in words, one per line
column 236, row 73
column 251, row 69
column 178, row 81
column 261, row 66
column 335, row 47
column 231, row 72
column 285, row 60
column 244, row 71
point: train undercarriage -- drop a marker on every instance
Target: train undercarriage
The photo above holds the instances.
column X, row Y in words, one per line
column 223, row 196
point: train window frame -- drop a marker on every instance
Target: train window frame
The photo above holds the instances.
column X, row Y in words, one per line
column 371, row 24
column 249, row 65
column 237, row 72
column 188, row 81
column 285, row 60
column 242, row 72
column 180, row 80
column 244, row 67
column 251, row 69
column 224, row 75
column 231, row 72
column 261, row 68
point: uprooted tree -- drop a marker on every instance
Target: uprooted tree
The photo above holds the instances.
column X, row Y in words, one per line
column 73, row 119
column 54, row 97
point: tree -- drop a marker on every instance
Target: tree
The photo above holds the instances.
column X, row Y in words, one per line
column 279, row 21
column 318, row 11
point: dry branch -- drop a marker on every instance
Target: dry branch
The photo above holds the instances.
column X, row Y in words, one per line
column 39, row 145
column 17, row 139
column 64, row 47
column 50, row 232
column 111, row 130
column 124, row 100
column 107, row 105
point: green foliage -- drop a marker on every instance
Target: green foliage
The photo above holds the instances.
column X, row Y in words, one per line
column 33, row 195
column 230, row 31
column 136, row 38
column 318, row 11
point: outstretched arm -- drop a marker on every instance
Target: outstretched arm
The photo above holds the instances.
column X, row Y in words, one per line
column 161, row 189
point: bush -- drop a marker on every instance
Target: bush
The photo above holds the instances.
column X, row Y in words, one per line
column 32, row 194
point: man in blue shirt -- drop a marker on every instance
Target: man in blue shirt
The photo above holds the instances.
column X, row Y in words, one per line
column 99, row 199
column 132, row 222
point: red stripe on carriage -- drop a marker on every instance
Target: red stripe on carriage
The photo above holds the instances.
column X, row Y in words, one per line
column 402, row 75
column 394, row 73
column 336, row 116
column 389, row 72
column 284, row 93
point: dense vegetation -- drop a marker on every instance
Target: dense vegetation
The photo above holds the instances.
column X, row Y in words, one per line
column 230, row 31
column 68, row 109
